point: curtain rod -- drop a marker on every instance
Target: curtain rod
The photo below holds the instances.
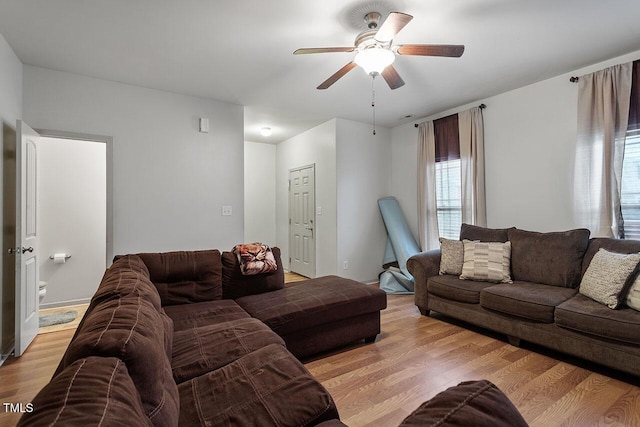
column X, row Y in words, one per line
column 481, row 106
column 574, row 79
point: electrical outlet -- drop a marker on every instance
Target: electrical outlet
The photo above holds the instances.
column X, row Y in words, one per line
column 227, row 210
column 345, row 265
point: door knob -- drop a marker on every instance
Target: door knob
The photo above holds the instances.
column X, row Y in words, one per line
column 13, row 250
column 29, row 249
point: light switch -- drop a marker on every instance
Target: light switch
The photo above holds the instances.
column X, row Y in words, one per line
column 204, row 125
column 227, row 210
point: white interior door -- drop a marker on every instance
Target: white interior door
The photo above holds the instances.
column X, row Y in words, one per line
column 302, row 226
column 26, row 249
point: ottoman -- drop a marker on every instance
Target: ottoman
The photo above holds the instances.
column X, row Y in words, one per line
column 318, row 315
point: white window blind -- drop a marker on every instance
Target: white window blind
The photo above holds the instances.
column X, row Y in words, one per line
column 630, row 188
column 449, row 198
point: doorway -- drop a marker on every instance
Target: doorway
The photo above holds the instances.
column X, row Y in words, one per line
column 72, row 211
column 8, row 291
column 302, row 224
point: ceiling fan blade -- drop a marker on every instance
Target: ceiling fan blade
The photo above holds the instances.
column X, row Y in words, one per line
column 391, row 76
column 450, row 50
column 391, row 26
column 340, row 73
column 308, row 50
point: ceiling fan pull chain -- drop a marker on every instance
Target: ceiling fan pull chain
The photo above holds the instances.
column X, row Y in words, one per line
column 373, row 100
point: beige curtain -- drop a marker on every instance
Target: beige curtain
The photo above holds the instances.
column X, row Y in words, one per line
column 427, row 211
column 603, row 113
column 471, row 127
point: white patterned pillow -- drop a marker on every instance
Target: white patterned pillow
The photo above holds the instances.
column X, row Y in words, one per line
column 633, row 297
column 487, row 261
column 606, row 277
column 452, row 256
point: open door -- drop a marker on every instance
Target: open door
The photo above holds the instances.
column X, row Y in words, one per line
column 26, row 248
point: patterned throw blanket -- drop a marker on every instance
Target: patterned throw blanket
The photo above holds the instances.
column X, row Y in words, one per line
column 255, row 258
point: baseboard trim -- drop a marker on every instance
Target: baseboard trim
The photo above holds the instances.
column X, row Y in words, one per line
column 65, row 303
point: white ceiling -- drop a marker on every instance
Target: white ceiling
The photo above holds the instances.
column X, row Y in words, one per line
column 240, row 51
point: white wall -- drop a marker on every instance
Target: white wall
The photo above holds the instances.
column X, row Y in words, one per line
column 169, row 181
column 72, row 194
column 363, row 176
column 315, row 146
column 530, row 136
column 10, row 84
column 260, row 193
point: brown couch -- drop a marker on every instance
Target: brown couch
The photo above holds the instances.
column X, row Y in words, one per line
column 543, row 305
column 160, row 345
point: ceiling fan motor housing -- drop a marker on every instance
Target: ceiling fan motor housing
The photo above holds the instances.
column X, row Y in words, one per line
column 372, row 19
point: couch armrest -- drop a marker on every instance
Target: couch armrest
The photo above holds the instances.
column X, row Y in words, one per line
column 422, row 266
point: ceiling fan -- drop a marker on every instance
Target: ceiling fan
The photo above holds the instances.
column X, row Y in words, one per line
column 375, row 52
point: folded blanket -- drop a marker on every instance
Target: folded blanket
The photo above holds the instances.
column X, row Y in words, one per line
column 255, row 258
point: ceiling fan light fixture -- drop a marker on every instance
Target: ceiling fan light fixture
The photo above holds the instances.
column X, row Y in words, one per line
column 375, row 59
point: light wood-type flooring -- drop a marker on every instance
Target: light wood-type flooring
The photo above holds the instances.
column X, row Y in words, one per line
column 414, row 358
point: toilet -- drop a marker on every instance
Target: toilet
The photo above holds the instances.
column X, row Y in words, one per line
column 42, row 290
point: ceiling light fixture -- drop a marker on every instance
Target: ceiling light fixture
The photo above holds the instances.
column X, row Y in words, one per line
column 266, row 131
column 375, row 59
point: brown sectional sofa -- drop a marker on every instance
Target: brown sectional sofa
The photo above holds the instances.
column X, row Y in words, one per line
column 542, row 305
column 160, row 346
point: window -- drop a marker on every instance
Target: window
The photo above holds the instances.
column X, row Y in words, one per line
column 630, row 188
column 449, row 198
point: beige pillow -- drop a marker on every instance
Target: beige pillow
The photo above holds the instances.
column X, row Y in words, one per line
column 452, row 256
column 487, row 261
column 606, row 277
column 633, row 297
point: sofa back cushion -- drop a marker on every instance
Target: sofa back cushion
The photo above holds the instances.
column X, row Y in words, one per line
column 89, row 392
column 484, row 234
column 127, row 275
column 236, row 285
column 184, row 277
column 611, row 245
column 132, row 330
column 553, row 259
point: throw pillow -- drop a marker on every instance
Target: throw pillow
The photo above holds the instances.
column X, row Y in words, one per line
column 608, row 277
column 451, row 256
column 486, row 261
column 633, row 297
column 255, row 258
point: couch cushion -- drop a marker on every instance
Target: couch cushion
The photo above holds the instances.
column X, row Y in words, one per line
column 633, row 297
column 582, row 314
column 89, row 392
column 127, row 275
column 620, row 246
column 609, row 277
column 532, row 301
column 268, row 387
column 131, row 329
column 484, row 234
column 313, row 302
column 486, row 261
column 452, row 256
column 185, row 276
column 553, row 259
column 197, row 351
column 236, row 285
column 455, row 289
column 472, row 403
column 187, row 316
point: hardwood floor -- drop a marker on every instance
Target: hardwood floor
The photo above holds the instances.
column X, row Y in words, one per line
column 414, row 358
